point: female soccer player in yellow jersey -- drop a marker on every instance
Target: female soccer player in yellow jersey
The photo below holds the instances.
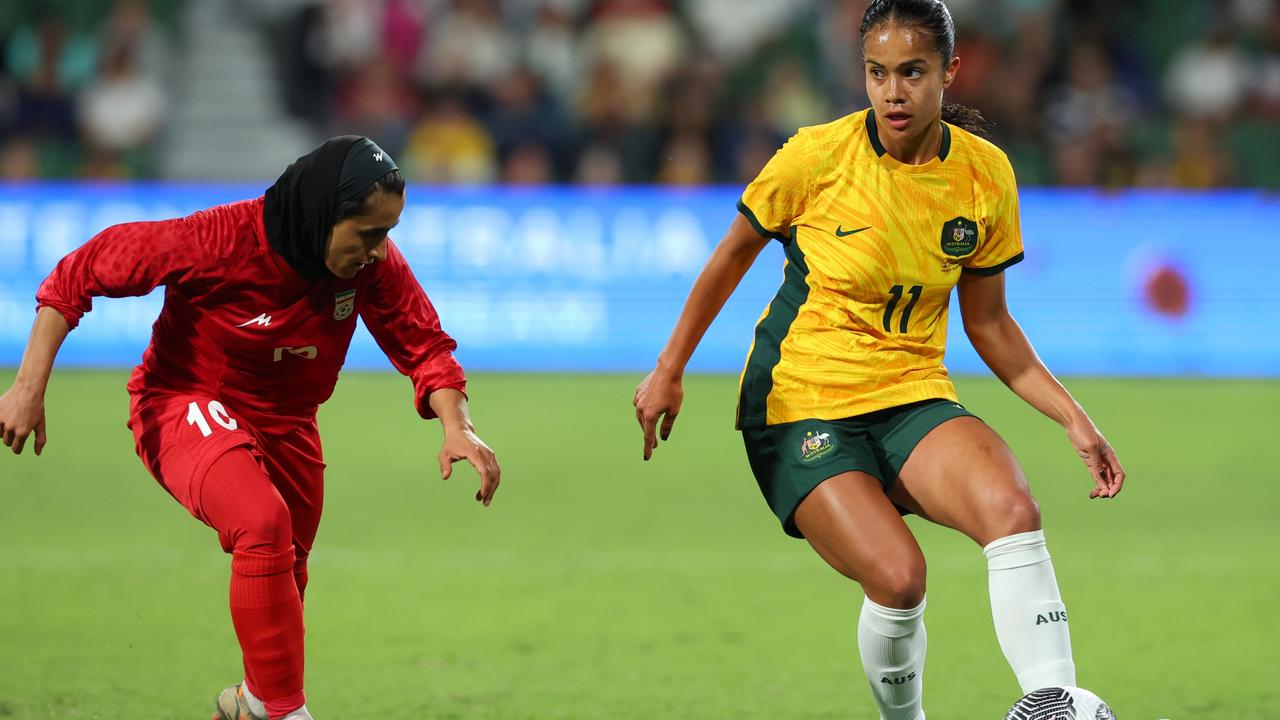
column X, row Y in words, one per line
column 848, row 416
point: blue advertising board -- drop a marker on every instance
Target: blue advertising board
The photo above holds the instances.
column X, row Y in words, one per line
column 567, row 279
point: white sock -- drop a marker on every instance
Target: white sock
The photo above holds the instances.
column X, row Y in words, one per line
column 892, row 643
column 299, row 714
column 255, row 705
column 1030, row 619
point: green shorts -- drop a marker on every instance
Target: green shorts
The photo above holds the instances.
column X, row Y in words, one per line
column 791, row 459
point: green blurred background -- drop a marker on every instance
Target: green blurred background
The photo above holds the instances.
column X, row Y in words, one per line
column 599, row 586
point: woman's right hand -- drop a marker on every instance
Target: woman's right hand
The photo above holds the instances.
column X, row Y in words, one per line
column 22, row 413
column 660, row 394
column 658, row 398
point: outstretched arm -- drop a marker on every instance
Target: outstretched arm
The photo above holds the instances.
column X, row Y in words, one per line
column 127, row 259
column 405, row 325
column 22, row 406
column 1005, row 349
column 661, row 392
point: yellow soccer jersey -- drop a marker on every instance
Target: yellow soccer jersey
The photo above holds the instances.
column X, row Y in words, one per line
column 873, row 249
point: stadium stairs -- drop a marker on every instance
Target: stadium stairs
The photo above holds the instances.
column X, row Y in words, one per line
column 228, row 122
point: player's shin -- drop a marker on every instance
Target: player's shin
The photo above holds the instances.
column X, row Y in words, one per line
column 1030, row 619
column 893, row 643
column 267, row 614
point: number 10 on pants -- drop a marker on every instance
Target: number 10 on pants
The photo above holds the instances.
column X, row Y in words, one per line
column 216, row 411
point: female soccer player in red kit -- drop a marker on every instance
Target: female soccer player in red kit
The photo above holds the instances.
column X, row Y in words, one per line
column 261, row 298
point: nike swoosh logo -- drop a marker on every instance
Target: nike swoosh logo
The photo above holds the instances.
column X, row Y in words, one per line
column 841, row 232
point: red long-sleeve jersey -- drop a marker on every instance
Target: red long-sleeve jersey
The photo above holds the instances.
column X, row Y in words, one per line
column 240, row 324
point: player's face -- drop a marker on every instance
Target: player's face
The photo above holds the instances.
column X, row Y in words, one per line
column 905, row 79
column 360, row 240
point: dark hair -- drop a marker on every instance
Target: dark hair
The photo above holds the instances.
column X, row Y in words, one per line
column 392, row 182
column 933, row 17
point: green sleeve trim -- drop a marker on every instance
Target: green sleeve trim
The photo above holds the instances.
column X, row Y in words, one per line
column 995, row 269
column 755, row 223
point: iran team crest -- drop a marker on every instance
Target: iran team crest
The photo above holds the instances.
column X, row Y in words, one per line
column 344, row 304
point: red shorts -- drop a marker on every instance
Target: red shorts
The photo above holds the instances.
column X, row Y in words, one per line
column 178, row 436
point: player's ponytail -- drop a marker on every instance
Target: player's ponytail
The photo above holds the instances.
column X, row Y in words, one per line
column 966, row 118
column 933, row 18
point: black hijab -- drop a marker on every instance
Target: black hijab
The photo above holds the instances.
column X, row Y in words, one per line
column 300, row 209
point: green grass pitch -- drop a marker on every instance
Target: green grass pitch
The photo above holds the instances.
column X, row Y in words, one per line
column 599, row 586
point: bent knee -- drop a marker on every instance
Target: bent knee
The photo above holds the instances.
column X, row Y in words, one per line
column 239, row 501
column 265, row 529
column 1015, row 514
column 899, row 584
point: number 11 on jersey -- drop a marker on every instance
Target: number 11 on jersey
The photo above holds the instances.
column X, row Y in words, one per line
column 896, row 292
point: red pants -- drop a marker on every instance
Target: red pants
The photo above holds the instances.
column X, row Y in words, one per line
column 259, row 483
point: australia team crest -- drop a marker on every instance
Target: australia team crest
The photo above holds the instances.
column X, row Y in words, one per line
column 815, row 445
column 959, row 237
column 344, row 304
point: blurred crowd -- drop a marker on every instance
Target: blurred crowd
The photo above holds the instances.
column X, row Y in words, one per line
column 81, row 95
column 1181, row 93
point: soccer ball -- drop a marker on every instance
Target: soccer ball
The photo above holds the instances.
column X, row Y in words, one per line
column 1060, row 703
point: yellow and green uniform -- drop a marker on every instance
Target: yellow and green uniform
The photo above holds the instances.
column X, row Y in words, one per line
column 873, row 248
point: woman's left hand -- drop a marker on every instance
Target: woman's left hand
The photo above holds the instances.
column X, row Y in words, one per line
column 1098, row 456
column 464, row 444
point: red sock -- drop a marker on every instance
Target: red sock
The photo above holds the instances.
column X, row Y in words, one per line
column 267, row 614
column 300, row 576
